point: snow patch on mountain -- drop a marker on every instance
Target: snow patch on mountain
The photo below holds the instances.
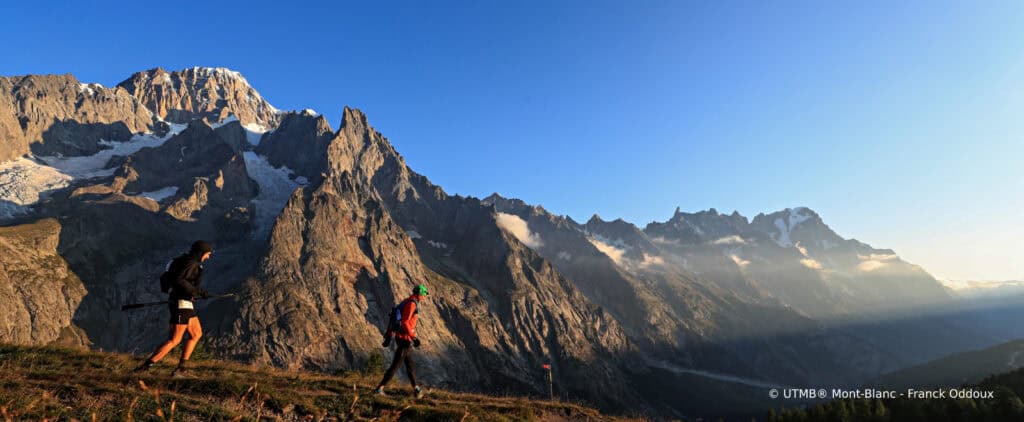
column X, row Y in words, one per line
column 254, row 132
column 90, row 166
column 89, row 89
column 276, row 186
column 210, row 71
column 231, row 118
column 24, row 182
column 160, row 194
column 785, row 227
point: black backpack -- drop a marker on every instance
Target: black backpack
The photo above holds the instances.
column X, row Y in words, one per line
column 395, row 317
column 170, row 273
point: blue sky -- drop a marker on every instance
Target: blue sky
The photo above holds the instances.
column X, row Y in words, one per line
column 899, row 124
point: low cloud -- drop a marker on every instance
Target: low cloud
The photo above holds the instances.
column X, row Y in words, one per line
column 874, row 262
column 867, row 266
column 651, row 260
column 564, row 255
column 730, row 240
column 664, row 241
column 739, row 261
column 518, row 227
column 614, row 253
column 878, row 257
column 811, row 263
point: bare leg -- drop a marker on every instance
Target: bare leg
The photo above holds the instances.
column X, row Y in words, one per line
column 195, row 331
column 176, row 333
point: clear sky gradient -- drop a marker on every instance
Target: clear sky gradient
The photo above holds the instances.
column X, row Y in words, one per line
column 901, row 124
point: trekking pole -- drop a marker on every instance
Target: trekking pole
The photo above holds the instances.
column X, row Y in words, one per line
column 164, row 302
column 142, row 305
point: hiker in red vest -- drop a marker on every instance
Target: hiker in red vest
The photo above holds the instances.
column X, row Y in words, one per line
column 402, row 326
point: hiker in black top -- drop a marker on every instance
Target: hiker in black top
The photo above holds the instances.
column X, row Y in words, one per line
column 185, row 273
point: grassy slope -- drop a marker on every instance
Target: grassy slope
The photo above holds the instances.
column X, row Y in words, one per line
column 57, row 383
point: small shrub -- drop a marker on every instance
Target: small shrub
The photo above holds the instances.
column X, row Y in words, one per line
column 375, row 364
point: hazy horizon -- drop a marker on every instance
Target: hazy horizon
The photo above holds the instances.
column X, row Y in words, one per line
column 898, row 123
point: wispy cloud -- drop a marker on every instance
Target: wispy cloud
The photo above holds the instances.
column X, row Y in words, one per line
column 811, row 263
column 664, row 241
column 518, row 227
column 803, row 250
column 614, row 253
column 874, row 262
column 739, row 261
column 868, row 266
column 651, row 260
column 730, row 240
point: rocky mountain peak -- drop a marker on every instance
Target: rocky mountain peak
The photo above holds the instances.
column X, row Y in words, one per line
column 201, row 92
column 300, row 143
column 58, row 114
column 353, row 116
column 698, row 227
column 791, row 225
column 513, row 205
column 493, row 197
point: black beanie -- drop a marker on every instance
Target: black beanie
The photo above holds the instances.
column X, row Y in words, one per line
column 200, row 247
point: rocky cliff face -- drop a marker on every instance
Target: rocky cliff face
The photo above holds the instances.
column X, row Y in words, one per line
column 676, row 316
column 339, row 260
column 57, row 114
column 39, row 293
column 300, row 143
column 200, row 93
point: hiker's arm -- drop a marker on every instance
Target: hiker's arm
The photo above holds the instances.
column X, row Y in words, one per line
column 182, row 284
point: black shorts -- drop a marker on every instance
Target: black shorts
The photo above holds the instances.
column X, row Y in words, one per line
column 180, row 316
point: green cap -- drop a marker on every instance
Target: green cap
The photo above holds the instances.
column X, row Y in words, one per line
column 420, row 290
